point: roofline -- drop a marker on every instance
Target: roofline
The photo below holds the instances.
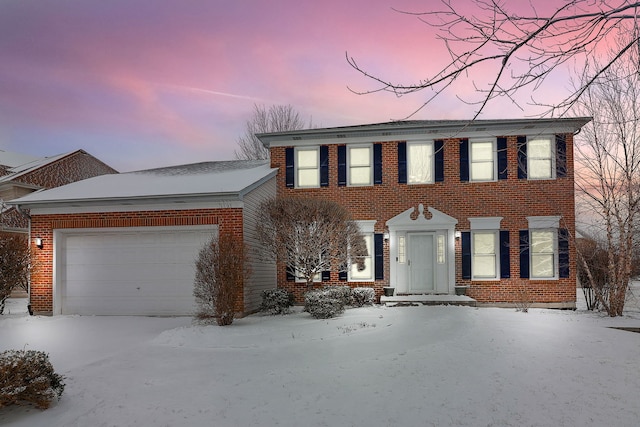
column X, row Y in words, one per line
column 419, row 129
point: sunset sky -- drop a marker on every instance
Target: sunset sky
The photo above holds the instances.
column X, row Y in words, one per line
column 148, row 83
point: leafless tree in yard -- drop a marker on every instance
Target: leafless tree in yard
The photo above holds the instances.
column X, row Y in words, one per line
column 15, row 265
column 608, row 171
column 276, row 118
column 310, row 236
column 505, row 47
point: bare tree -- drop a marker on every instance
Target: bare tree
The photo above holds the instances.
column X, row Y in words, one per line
column 504, row 51
column 15, row 265
column 276, row 118
column 310, row 236
column 608, row 181
column 221, row 268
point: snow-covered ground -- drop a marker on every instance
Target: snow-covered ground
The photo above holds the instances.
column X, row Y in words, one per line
column 375, row 366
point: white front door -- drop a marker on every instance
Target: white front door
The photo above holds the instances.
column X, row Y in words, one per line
column 420, row 262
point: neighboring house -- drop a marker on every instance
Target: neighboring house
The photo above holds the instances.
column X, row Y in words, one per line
column 126, row 244
column 488, row 203
column 21, row 174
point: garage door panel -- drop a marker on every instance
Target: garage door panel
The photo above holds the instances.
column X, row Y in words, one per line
column 130, row 273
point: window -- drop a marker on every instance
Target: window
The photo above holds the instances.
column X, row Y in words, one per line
column 367, row 273
column 307, row 167
column 540, row 158
column 484, row 255
column 420, row 159
column 543, row 254
column 402, row 256
column 482, row 163
column 360, row 170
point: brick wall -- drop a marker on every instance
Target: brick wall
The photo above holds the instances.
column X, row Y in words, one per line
column 513, row 199
column 228, row 219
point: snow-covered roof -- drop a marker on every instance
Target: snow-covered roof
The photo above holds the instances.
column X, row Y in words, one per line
column 32, row 164
column 223, row 178
column 11, row 159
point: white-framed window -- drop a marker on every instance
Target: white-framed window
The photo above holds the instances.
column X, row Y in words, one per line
column 402, row 252
column 420, row 163
column 360, row 165
column 544, row 254
column 365, row 275
column 484, row 255
column 482, row 160
column 307, row 162
column 540, row 157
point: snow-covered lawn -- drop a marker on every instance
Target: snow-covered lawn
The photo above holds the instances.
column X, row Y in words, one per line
column 376, row 366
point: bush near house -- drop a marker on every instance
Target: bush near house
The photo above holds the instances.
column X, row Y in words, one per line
column 28, row 376
column 362, row 296
column 323, row 303
column 277, row 301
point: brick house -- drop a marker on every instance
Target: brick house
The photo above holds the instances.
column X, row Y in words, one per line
column 487, row 204
column 125, row 244
column 22, row 174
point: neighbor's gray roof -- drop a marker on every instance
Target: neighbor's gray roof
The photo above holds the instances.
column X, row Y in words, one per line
column 11, row 159
column 397, row 130
column 224, row 178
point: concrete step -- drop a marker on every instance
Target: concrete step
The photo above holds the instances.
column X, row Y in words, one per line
column 427, row 299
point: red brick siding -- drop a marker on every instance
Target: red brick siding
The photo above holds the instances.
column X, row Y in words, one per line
column 513, row 199
column 228, row 219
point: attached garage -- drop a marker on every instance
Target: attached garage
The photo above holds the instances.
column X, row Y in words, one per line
column 126, row 244
column 121, row 271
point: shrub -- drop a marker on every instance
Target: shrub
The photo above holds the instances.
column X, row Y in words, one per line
column 342, row 293
column 220, row 270
column 323, row 304
column 362, row 296
column 276, row 301
column 28, row 376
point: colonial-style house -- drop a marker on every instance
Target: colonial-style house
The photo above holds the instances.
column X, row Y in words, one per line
column 486, row 204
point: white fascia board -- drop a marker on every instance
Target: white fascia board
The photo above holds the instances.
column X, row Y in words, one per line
column 58, row 209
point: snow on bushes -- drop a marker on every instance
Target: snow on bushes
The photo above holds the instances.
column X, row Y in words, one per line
column 28, row 376
column 323, row 303
column 276, row 301
column 362, row 296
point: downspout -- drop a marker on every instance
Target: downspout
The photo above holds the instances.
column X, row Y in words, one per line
column 26, row 215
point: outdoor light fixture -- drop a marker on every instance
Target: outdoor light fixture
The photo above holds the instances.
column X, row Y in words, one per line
column 458, row 234
column 386, row 235
column 39, row 242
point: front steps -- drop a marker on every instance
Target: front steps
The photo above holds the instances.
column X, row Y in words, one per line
column 427, row 299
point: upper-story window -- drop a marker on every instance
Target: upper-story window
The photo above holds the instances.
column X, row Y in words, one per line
column 420, row 162
column 307, row 161
column 360, row 161
column 540, row 158
column 482, row 160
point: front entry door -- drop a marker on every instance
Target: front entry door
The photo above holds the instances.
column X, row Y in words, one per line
column 420, row 260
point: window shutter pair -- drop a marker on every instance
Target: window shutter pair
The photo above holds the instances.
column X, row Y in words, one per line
column 378, row 258
column 503, row 247
column 563, row 254
column 438, row 154
column 561, row 156
column 289, row 158
column 501, row 146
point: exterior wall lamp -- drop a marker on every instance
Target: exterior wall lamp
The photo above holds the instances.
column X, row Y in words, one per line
column 39, row 242
column 458, row 235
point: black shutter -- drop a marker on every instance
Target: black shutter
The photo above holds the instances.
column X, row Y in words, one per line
column 377, row 163
column 402, row 162
column 324, row 166
column 378, row 245
column 290, row 276
column 502, row 158
column 289, row 168
column 464, row 160
column 438, row 152
column 505, row 258
column 563, row 253
column 342, row 165
column 561, row 156
column 524, row 254
column 326, row 276
column 466, row 254
column 522, row 157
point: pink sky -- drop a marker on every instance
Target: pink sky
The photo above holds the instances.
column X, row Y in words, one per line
column 148, row 83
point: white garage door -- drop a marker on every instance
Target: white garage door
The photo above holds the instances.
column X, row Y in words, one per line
column 147, row 271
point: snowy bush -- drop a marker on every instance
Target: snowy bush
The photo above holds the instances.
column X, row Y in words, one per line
column 323, row 303
column 28, row 376
column 362, row 296
column 342, row 293
column 276, row 301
